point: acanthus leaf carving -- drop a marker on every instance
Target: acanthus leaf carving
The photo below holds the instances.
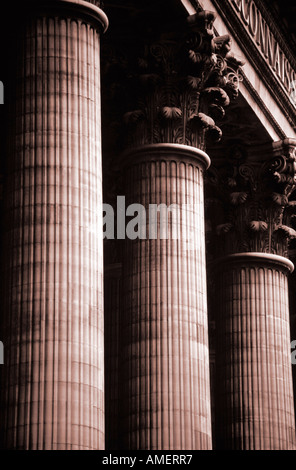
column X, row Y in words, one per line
column 256, row 200
column 180, row 83
column 171, row 112
column 258, row 226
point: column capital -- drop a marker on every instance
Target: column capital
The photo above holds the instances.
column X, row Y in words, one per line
column 176, row 86
column 250, row 200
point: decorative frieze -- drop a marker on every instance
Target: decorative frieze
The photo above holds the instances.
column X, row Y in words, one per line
column 266, row 43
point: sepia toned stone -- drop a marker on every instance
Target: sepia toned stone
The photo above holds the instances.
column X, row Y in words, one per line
column 53, row 386
column 166, row 397
column 187, row 344
column 254, row 389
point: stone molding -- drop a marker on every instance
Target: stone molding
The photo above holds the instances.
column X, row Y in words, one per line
column 88, row 10
column 168, row 151
column 247, row 259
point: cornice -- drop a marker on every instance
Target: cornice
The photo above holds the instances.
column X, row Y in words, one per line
column 266, row 111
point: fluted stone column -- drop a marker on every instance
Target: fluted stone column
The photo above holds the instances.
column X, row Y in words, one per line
column 165, row 330
column 254, row 383
column 254, row 389
column 53, row 382
column 171, row 92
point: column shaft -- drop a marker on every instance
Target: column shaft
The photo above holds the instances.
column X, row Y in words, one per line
column 53, row 381
column 165, row 331
column 254, row 385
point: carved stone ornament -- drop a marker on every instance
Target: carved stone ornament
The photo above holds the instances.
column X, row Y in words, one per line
column 250, row 206
column 178, row 86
